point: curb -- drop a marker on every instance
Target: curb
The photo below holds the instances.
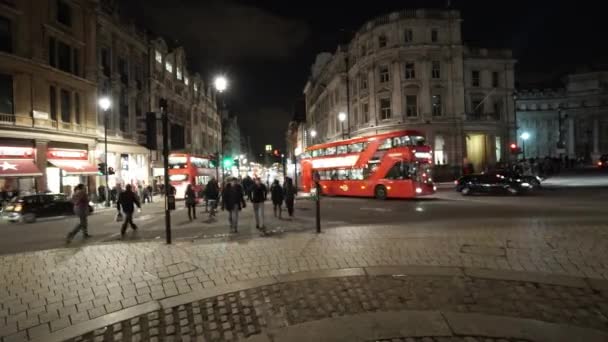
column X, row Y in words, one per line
column 395, row 271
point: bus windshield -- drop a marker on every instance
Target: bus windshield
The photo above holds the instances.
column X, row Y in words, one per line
column 178, row 162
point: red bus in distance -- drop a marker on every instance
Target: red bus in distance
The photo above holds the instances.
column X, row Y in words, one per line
column 187, row 169
column 388, row 165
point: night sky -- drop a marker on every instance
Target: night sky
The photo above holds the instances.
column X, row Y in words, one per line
column 266, row 48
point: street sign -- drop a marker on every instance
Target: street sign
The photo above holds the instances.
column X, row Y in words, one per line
column 268, row 148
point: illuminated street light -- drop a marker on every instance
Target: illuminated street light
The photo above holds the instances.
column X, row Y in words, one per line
column 220, row 83
column 105, row 103
column 525, row 136
column 313, row 133
column 342, row 116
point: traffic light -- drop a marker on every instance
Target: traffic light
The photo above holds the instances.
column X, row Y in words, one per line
column 101, row 168
column 111, row 171
column 514, row 148
column 214, row 160
column 237, row 163
column 228, row 162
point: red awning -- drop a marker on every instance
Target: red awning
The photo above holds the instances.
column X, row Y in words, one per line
column 18, row 168
column 75, row 167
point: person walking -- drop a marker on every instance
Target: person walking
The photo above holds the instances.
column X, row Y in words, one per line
column 276, row 195
column 190, row 198
column 259, row 194
column 212, row 194
column 289, row 193
column 233, row 201
column 127, row 200
column 81, row 209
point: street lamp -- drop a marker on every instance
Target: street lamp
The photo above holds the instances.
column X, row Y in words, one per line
column 105, row 104
column 524, row 136
column 342, row 118
column 220, row 83
column 313, row 134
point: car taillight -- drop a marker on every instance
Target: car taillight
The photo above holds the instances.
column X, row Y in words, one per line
column 599, row 163
column 456, row 182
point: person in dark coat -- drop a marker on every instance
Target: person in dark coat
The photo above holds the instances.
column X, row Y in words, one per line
column 259, row 193
column 289, row 193
column 127, row 200
column 212, row 194
column 190, row 198
column 233, row 201
column 276, row 195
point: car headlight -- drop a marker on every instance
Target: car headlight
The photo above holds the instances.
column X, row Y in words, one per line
column 18, row 207
column 91, row 203
column 525, row 184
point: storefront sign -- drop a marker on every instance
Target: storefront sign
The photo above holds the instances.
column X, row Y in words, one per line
column 40, row 115
column 8, row 152
column 67, row 154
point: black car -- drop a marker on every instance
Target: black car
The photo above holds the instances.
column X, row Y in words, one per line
column 533, row 181
column 29, row 208
column 602, row 163
column 491, row 184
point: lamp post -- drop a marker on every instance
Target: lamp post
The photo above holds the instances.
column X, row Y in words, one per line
column 342, row 118
column 104, row 104
column 220, row 83
column 524, row 136
column 313, row 134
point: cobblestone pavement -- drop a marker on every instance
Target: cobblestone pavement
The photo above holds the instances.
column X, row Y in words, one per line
column 46, row 291
column 241, row 314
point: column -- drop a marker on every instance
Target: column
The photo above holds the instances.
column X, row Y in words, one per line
column 396, row 92
column 596, row 140
column 41, row 150
column 570, row 140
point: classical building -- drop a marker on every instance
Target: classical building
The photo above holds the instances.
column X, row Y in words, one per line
column 48, row 94
column 411, row 70
column 57, row 58
column 570, row 121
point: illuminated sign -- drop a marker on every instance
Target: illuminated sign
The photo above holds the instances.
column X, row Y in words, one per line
column 268, row 148
column 346, row 161
column 66, row 154
column 344, row 187
column 16, row 152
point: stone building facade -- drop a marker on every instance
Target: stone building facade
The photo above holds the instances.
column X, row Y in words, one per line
column 57, row 58
column 570, row 121
column 411, row 70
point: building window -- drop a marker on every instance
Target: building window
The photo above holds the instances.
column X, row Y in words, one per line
column 384, row 74
column 411, row 105
column 477, row 108
column 52, row 52
column 385, row 108
column 53, row 103
column 495, row 79
column 169, row 67
column 178, row 72
column 124, row 111
column 6, row 94
column 410, row 71
column 436, row 70
column 434, row 35
column 365, row 113
column 64, row 13
column 105, row 62
column 408, row 36
column 440, row 154
column 195, row 88
column 64, row 57
column 6, row 36
column 363, row 82
column 475, row 78
column 76, row 62
column 77, row 107
column 123, row 69
column 186, row 81
column 65, row 105
column 497, row 109
column 362, row 50
column 355, row 115
column 158, row 56
column 382, row 41
column 436, row 104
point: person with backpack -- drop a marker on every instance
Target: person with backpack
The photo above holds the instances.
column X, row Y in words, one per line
column 190, row 198
column 259, row 194
column 289, row 193
column 212, row 194
column 127, row 200
column 233, row 201
column 276, row 195
column 81, row 209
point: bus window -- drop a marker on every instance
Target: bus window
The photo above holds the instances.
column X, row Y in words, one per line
column 386, row 144
column 330, row 151
column 401, row 141
column 305, row 155
column 342, row 149
column 370, row 168
column 178, row 162
column 321, row 152
column 417, row 140
column 399, row 171
column 356, row 174
column 343, row 175
column 356, row 148
column 334, row 175
column 315, row 153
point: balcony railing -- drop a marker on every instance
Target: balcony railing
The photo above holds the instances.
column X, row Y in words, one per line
column 7, row 119
column 483, row 117
column 51, row 125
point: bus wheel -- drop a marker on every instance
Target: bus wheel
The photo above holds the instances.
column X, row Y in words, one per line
column 380, row 192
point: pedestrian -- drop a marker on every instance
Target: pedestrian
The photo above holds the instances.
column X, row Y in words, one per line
column 212, row 194
column 247, row 184
column 101, row 190
column 259, row 194
column 80, row 199
column 190, row 198
column 289, row 192
column 127, row 200
column 276, row 195
column 150, row 193
column 233, row 201
column 146, row 195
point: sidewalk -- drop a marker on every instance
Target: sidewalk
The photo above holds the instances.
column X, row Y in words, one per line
column 60, row 294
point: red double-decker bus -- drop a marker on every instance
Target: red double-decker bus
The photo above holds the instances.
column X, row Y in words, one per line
column 389, row 165
column 187, row 169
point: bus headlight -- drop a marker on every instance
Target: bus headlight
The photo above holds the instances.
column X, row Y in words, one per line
column 418, row 190
column 434, row 188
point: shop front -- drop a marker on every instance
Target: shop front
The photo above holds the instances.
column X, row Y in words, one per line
column 67, row 168
column 17, row 170
column 129, row 168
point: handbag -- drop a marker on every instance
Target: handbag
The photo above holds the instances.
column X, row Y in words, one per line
column 118, row 217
